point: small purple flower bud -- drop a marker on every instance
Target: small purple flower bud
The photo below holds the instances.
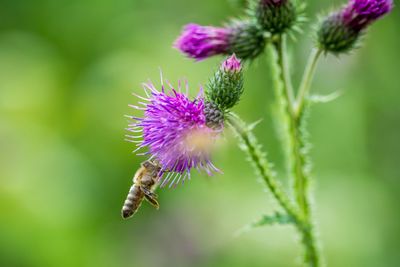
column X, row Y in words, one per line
column 340, row 31
column 245, row 38
column 226, row 87
column 232, row 64
column 360, row 13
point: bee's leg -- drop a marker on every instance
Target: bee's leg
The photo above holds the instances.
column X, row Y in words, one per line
column 151, row 197
column 152, row 200
column 148, row 192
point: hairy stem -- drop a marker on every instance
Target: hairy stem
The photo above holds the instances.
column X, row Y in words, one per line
column 311, row 257
column 303, row 176
column 306, row 81
column 296, row 146
column 250, row 145
column 284, row 73
column 290, row 134
column 282, row 109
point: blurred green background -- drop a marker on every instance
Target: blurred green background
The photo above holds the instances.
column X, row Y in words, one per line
column 67, row 70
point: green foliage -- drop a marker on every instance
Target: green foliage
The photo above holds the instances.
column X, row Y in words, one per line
column 268, row 220
column 264, row 169
column 324, row 98
column 277, row 218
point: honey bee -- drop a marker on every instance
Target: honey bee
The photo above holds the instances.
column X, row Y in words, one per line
column 144, row 183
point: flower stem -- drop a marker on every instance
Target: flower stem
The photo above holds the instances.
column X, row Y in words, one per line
column 258, row 159
column 291, row 134
column 311, row 257
column 251, row 146
column 296, row 146
column 280, row 47
column 282, row 61
column 306, row 81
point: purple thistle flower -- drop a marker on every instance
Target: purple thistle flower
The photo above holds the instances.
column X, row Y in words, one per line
column 232, row 64
column 200, row 42
column 174, row 130
column 243, row 37
column 341, row 30
column 360, row 13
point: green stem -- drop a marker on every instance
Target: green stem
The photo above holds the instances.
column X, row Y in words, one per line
column 296, row 146
column 251, row 146
column 257, row 158
column 311, row 256
column 291, row 134
column 282, row 60
column 306, row 81
column 284, row 102
column 301, row 175
column 302, row 172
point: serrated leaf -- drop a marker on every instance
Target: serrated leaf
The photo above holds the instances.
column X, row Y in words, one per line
column 325, row 98
column 277, row 218
column 251, row 127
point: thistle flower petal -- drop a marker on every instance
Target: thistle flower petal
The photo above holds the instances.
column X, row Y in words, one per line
column 360, row 13
column 243, row 37
column 174, row 130
column 231, row 64
column 200, row 42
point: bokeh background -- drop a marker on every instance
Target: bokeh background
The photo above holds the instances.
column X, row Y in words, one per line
column 67, row 70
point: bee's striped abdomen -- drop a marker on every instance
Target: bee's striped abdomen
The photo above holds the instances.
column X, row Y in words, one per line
column 132, row 202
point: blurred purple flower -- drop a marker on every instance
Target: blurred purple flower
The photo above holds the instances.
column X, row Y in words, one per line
column 360, row 13
column 200, row 42
column 341, row 30
column 174, row 130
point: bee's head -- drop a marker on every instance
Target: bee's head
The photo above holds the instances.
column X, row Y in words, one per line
column 151, row 165
column 147, row 164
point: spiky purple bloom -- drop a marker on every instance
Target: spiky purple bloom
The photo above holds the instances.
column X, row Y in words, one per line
column 360, row 13
column 174, row 130
column 243, row 37
column 232, row 64
column 200, row 42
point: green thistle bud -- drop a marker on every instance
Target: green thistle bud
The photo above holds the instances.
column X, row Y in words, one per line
column 275, row 16
column 226, row 87
column 247, row 39
column 340, row 31
column 334, row 36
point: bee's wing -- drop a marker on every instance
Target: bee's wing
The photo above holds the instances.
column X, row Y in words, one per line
column 152, row 200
